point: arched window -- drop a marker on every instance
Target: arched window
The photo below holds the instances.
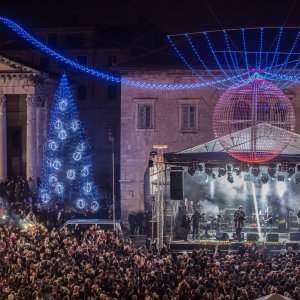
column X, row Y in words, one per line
column 263, row 111
column 241, row 113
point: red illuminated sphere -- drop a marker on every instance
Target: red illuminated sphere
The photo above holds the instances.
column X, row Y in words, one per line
column 254, row 122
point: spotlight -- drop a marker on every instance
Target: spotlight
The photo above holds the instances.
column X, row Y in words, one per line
column 237, row 171
column 200, row 168
column 222, row 171
column 291, row 171
column 264, row 178
column 208, row 170
column 297, row 178
column 272, row 170
column 280, row 177
column 298, row 168
column 229, row 168
column 191, row 171
column 213, row 175
column 255, row 171
column 230, row 177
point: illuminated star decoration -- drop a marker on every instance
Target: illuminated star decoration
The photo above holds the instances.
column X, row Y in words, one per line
column 67, row 168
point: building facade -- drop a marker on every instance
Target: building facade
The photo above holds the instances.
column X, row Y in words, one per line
column 25, row 99
column 179, row 119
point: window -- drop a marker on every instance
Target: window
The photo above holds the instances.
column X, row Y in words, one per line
column 188, row 117
column 81, row 92
column 44, row 62
column 241, row 113
column 52, row 39
column 82, row 60
column 112, row 92
column 16, row 139
column 74, row 40
column 112, row 60
column 263, row 111
column 145, row 116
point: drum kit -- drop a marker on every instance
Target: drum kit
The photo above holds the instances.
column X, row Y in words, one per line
column 213, row 225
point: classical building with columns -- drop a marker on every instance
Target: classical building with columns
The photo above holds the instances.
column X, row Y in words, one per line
column 25, row 99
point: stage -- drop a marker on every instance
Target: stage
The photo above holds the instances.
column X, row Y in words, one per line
column 285, row 240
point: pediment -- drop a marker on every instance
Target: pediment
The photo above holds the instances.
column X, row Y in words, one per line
column 8, row 65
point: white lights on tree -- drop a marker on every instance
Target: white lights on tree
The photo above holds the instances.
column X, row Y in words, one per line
column 81, row 147
column 94, row 205
column 62, row 134
column 71, row 174
column 77, row 156
column 75, row 125
column 58, row 124
column 85, row 171
column 80, row 203
column 59, row 189
column 53, row 145
column 52, row 179
column 63, row 104
column 45, row 197
column 87, row 187
column 56, row 164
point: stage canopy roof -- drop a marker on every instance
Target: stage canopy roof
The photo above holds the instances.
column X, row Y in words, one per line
column 212, row 151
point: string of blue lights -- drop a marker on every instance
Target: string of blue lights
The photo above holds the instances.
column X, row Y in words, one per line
column 233, row 59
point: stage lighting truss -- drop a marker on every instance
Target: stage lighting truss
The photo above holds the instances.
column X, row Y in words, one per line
column 237, row 171
column 280, row 177
column 255, row 171
column 264, row 178
column 230, row 177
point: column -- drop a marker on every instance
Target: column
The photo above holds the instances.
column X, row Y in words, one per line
column 3, row 139
column 39, row 133
column 31, row 139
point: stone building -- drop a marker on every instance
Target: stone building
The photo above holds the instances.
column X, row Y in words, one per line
column 179, row 119
column 25, row 98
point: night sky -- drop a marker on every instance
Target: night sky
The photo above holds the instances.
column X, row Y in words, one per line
column 174, row 16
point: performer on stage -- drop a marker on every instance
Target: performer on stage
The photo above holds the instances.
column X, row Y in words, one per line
column 239, row 217
column 269, row 219
column 196, row 223
column 298, row 218
column 186, row 225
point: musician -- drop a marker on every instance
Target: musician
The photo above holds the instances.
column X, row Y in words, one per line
column 186, row 225
column 196, row 223
column 269, row 219
column 239, row 218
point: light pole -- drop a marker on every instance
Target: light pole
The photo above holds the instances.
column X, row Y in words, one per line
column 111, row 139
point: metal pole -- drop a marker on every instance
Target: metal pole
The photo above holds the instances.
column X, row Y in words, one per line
column 113, row 183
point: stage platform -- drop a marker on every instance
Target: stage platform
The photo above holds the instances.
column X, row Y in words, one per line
column 230, row 244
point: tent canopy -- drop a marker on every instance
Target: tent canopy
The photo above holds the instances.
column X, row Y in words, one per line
column 213, row 151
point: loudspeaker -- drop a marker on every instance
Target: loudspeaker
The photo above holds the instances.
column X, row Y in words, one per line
column 272, row 237
column 176, row 185
column 294, row 236
column 295, row 246
column 222, row 236
column 254, row 237
column 235, row 237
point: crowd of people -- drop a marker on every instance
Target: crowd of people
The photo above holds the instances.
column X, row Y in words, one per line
column 41, row 262
column 21, row 200
column 90, row 263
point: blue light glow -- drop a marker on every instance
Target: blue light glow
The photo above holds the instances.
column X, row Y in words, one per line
column 62, row 134
column 71, row 174
column 45, row 197
column 67, row 172
column 80, row 203
column 94, row 206
column 77, row 156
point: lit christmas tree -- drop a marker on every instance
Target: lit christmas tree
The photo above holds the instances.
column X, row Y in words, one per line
column 67, row 167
